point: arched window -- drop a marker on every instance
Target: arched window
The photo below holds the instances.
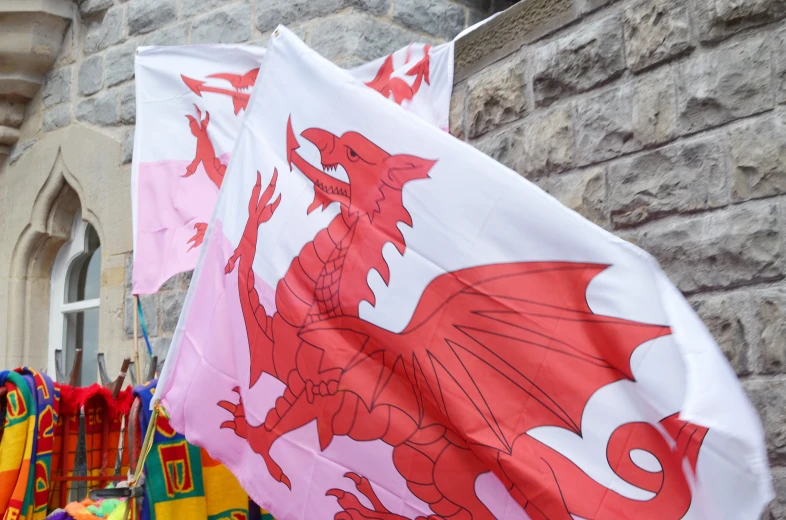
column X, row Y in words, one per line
column 76, row 283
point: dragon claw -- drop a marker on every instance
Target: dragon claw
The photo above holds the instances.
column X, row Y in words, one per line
column 285, row 480
column 230, row 425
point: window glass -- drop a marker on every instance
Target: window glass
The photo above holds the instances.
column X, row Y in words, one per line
column 81, row 332
column 84, row 276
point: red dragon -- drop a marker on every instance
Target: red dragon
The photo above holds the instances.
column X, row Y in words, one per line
column 490, row 353
column 396, row 88
column 205, row 154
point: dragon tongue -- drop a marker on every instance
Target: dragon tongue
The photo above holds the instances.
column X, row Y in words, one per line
column 193, row 84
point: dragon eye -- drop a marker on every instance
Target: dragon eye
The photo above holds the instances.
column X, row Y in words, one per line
column 352, row 155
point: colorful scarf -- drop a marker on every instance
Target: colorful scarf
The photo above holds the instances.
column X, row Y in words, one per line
column 18, row 448
column 182, row 480
column 47, row 406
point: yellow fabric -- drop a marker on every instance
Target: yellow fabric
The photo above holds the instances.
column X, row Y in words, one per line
column 222, row 490
column 193, row 507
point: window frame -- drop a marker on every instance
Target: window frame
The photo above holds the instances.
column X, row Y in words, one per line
column 59, row 280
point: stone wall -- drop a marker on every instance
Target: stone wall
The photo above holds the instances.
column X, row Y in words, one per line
column 663, row 121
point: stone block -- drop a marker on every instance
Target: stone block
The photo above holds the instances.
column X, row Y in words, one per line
column 481, row 5
column 497, row 95
column 129, row 270
column 591, row 55
column 724, row 84
column 777, row 509
column 655, row 107
column 718, row 19
column 160, row 348
column 150, row 312
column 184, row 279
column 231, row 25
column 769, row 310
column 57, row 86
column 94, row 6
column 737, row 246
column 91, row 75
column 176, row 35
column 501, row 147
column 194, row 7
column 56, row 117
column 377, row 7
column 769, row 398
column 119, row 64
column 545, row 142
column 758, row 154
column 729, row 320
column 685, row 176
column 583, row 191
column 171, row 304
column 587, row 6
column 779, row 59
column 101, row 109
column 128, row 105
column 604, row 125
column 440, row 18
column 359, row 35
column 128, row 147
column 271, row 13
column 474, row 16
column 458, row 104
column 655, row 30
column 145, row 16
column 108, row 31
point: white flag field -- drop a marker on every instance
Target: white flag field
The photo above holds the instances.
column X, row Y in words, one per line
column 385, row 323
column 191, row 101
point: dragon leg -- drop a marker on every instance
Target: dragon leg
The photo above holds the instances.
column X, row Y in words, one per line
column 199, row 235
column 282, row 419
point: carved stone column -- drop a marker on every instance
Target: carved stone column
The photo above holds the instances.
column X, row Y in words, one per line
column 31, row 33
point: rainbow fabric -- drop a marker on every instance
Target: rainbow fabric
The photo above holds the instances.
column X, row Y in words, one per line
column 182, row 480
column 18, row 448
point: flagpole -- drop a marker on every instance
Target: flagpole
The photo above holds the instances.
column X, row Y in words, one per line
column 137, row 366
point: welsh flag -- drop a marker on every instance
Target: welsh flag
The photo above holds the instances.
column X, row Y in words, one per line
column 191, row 101
column 387, row 324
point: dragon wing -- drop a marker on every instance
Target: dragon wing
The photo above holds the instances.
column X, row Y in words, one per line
column 490, row 352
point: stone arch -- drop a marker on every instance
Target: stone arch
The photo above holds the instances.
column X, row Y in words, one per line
column 57, row 178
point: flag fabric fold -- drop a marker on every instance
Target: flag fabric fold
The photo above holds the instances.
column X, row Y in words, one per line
column 386, row 323
column 191, row 101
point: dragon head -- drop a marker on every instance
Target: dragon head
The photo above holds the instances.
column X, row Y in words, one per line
column 369, row 168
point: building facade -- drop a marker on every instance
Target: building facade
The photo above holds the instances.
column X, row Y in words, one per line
column 663, row 121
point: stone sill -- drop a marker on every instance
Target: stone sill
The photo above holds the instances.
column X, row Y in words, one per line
column 523, row 23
